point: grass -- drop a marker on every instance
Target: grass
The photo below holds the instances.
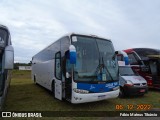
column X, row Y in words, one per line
column 24, row 95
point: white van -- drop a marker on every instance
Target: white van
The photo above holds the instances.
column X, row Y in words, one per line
column 131, row 83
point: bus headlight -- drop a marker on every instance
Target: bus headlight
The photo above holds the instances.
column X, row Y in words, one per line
column 116, row 88
column 80, row 91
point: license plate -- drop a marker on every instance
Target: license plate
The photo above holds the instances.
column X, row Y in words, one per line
column 101, row 96
column 143, row 90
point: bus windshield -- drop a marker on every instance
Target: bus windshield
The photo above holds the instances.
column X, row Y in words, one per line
column 91, row 54
column 126, row 71
column 3, row 37
column 144, row 53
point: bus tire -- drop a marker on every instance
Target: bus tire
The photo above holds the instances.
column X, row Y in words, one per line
column 121, row 93
column 141, row 95
column 35, row 80
column 53, row 89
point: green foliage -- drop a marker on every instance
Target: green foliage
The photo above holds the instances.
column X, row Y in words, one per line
column 16, row 65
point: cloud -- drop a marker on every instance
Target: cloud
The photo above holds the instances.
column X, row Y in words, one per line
column 36, row 24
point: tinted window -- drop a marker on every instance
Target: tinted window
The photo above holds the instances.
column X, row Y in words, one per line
column 3, row 37
column 132, row 59
column 120, row 58
column 126, row 71
column 145, row 52
column 48, row 53
column 1, row 77
column 58, row 65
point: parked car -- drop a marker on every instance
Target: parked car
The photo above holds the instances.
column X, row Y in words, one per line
column 131, row 83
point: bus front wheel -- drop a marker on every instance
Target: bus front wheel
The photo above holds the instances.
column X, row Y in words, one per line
column 53, row 89
column 121, row 93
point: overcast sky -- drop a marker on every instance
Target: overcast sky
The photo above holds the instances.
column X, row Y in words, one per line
column 34, row 24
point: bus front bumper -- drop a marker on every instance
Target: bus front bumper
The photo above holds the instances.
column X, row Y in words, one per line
column 91, row 97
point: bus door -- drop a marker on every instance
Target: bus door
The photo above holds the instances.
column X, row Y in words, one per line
column 58, row 89
column 158, row 66
column 1, row 76
column 58, row 76
column 68, row 76
column 154, row 71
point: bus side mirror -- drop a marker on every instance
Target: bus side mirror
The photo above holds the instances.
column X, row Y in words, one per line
column 68, row 75
column 125, row 56
column 72, row 54
column 9, row 57
column 126, row 60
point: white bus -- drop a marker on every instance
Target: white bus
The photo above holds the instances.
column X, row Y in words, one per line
column 6, row 62
column 78, row 68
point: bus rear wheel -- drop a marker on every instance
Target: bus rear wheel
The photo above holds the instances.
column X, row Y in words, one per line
column 53, row 89
column 35, row 80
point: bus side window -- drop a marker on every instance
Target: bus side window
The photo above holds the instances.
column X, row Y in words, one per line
column 132, row 59
column 1, row 78
column 120, row 57
column 58, row 65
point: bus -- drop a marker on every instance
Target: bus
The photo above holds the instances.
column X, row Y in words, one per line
column 78, row 68
column 6, row 63
column 146, row 62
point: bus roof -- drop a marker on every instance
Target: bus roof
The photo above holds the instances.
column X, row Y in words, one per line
column 70, row 34
column 3, row 27
column 145, row 53
column 89, row 35
column 141, row 49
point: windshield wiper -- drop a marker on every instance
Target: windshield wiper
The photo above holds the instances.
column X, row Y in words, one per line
column 107, row 69
column 101, row 67
column 128, row 74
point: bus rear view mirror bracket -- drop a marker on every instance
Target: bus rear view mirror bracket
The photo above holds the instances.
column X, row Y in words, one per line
column 116, row 53
column 9, row 57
